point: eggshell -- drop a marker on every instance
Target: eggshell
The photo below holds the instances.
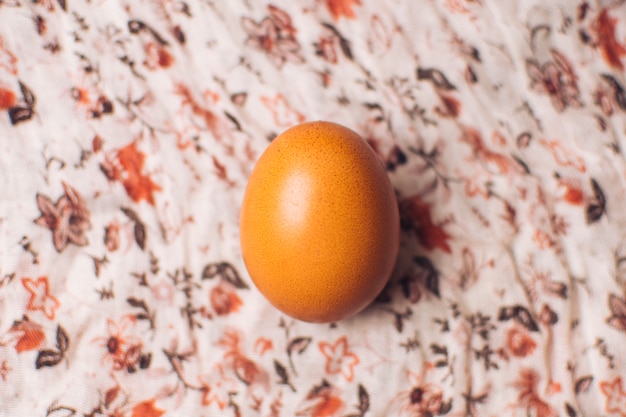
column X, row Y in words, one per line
column 319, row 223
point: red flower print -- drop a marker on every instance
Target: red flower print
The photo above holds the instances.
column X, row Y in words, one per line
column 29, row 335
column 67, row 219
column 323, row 400
column 339, row 359
column 245, row 369
column 40, row 298
column 615, row 396
column 224, row 299
column 422, row 399
column 339, row 8
column 418, row 216
column 519, row 343
column 612, row 51
column 557, row 79
column 528, row 396
column 138, row 185
column 274, row 35
column 147, row 409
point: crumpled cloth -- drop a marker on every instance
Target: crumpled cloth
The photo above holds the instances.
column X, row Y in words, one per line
column 129, row 128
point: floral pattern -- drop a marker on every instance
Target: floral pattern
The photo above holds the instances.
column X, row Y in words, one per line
column 130, row 129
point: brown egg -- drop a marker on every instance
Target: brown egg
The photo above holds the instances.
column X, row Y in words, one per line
column 319, row 223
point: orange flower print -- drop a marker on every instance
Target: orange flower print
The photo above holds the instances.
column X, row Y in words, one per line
column 4, row 370
column 8, row 61
column 611, row 49
column 138, row 185
column 7, row 98
column 564, row 157
column 519, row 343
column 615, row 396
column 339, row 359
column 211, row 120
column 29, row 335
column 112, row 236
column 245, row 368
column 263, row 345
column 494, row 162
column 323, row 400
column 282, row 112
column 40, row 298
column 123, row 350
column 339, row 8
column 529, row 398
column 224, row 299
column 215, row 387
column 571, row 191
column 157, row 56
column 147, row 409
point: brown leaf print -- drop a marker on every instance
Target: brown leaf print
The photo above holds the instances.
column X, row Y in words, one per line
column 451, row 106
column 24, row 109
column 597, row 207
column 342, row 8
column 611, row 49
column 331, row 41
column 583, row 384
column 520, row 314
column 617, row 306
column 221, row 171
column 437, row 77
column 67, row 218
